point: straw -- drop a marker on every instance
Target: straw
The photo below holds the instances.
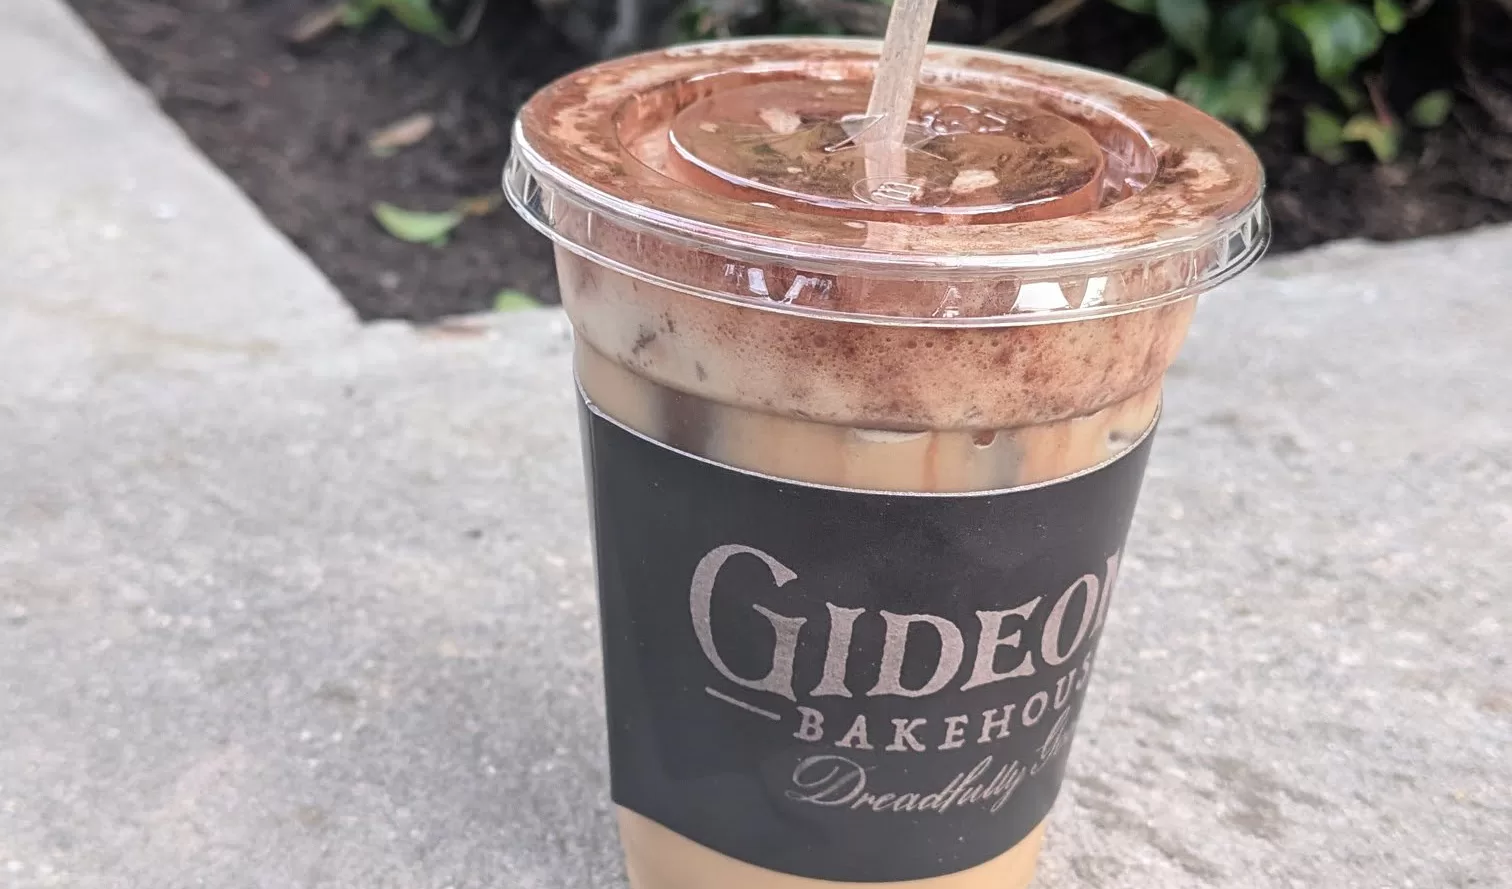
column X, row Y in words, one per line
column 893, row 90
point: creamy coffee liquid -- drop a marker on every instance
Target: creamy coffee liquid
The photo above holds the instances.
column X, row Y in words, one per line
column 762, row 320
column 657, row 858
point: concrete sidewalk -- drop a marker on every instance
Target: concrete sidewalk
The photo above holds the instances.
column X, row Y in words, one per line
column 286, row 601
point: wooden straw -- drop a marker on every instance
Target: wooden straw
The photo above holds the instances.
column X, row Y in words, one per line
column 893, row 90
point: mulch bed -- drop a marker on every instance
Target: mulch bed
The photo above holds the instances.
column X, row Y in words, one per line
column 290, row 124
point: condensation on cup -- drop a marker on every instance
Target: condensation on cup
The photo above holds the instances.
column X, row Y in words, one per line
column 865, row 425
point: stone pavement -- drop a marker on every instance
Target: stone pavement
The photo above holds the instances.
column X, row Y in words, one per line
column 286, row 601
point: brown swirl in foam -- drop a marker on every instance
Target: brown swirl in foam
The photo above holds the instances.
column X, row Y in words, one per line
column 869, row 376
column 600, row 137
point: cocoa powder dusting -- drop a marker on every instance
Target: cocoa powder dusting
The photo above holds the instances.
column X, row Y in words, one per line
column 1188, row 170
column 769, row 262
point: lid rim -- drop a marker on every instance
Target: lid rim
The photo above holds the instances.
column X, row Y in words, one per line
column 1198, row 220
column 1252, row 254
column 763, row 247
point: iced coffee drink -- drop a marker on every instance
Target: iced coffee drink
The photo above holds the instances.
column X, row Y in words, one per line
column 864, row 435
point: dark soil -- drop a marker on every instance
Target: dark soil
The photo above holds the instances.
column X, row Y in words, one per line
column 290, row 124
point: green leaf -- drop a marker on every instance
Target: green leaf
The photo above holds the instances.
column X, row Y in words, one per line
column 1383, row 137
column 1142, row 7
column 1432, row 109
column 687, row 24
column 514, row 301
column 1323, row 134
column 1263, row 48
column 419, row 16
column 1249, row 102
column 1158, row 67
column 1187, row 23
column 357, row 13
column 1351, row 96
column 1239, row 94
column 1390, row 16
column 1203, row 89
column 1248, row 30
column 1339, row 33
column 416, row 226
column 1231, row 30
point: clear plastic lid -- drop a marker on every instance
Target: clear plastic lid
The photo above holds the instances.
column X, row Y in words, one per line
column 1025, row 191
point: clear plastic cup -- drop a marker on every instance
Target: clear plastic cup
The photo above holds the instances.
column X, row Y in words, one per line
column 864, row 426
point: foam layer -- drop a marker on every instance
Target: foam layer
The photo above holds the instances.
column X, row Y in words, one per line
column 966, row 158
column 1114, row 195
column 871, row 376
